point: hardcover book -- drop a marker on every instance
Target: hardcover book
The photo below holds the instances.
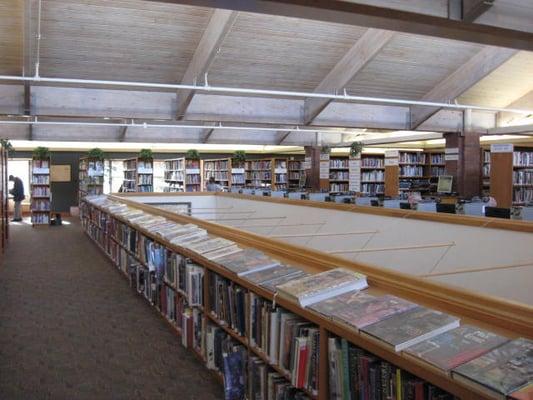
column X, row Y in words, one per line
column 374, row 310
column 525, row 393
column 274, row 283
column 223, row 252
column 209, row 244
column 502, row 370
column 276, row 271
column 315, row 288
column 247, row 261
column 456, row 347
column 330, row 306
column 411, row 327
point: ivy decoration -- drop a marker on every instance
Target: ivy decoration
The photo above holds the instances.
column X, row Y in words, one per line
column 325, row 149
column 41, row 153
column 239, row 157
column 96, row 154
column 192, row 154
column 146, row 154
column 356, row 148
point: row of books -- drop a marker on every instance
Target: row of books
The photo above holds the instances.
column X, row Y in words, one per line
column 523, row 158
column 40, row 219
column 523, row 177
column 259, row 175
column 175, row 175
column 175, row 165
column 130, row 175
column 486, row 157
column 40, row 179
column 40, row 205
column 40, row 164
column 412, row 158
column 280, row 178
column 40, row 191
column 294, row 175
column 437, row 171
column 339, row 175
column 373, row 176
column 338, row 163
column 372, row 162
column 411, row 170
column 259, row 165
column 145, row 179
column 282, row 164
column 372, row 188
column 145, row 188
column 237, row 179
column 523, row 195
column 295, row 165
column 486, row 170
column 338, row 187
column 218, row 175
column 220, row 165
column 437, row 158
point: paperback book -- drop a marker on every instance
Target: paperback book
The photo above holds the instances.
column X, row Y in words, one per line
column 456, row 347
column 247, row 261
column 315, row 288
column 330, row 306
column 275, row 272
column 501, row 371
column 411, row 327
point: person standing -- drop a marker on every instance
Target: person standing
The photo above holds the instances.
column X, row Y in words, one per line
column 18, row 195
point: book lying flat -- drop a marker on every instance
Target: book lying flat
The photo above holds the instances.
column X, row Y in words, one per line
column 329, row 306
column 411, row 327
column 456, row 347
column 247, row 261
column 215, row 255
column 269, row 274
column 209, row 244
column 274, row 283
column 315, row 288
column 525, row 393
column 374, row 310
column 502, row 370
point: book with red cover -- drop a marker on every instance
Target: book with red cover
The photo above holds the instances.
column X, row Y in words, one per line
column 302, row 361
column 526, row 393
column 456, row 347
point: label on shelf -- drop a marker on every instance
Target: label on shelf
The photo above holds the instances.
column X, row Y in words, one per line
column 145, row 171
column 451, row 150
column 41, row 170
column 389, row 162
column 501, row 148
column 392, row 153
column 278, row 170
column 192, row 170
column 324, row 156
column 237, row 170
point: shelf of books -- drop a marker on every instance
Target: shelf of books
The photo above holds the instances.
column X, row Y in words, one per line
column 339, row 174
column 485, row 174
column 4, row 209
column 522, row 176
column 295, row 172
column 138, row 175
column 269, row 329
column 259, row 173
column 174, row 175
column 40, row 192
column 238, row 173
column 281, row 174
column 220, row 169
column 90, row 177
column 412, row 172
column 372, row 174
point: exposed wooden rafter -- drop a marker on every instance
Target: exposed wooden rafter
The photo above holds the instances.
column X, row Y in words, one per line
column 524, row 102
column 218, row 27
column 462, row 79
column 473, row 9
column 207, row 135
column 359, row 55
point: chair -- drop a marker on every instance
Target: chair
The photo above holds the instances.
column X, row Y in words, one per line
column 446, row 208
column 498, row 212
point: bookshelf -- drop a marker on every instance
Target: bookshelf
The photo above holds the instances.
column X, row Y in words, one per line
column 238, row 173
column 182, row 175
column 138, row 175
column 339, row 174
column 40, row 192
column 220, row 169
column 372, row 174
column 280, row 175
column 113, row 235
column 485, row 172
column 4, row 196
column 90, row 177
column 413, row 172
column 295, row 172
column 259, row 173
column 522, row 176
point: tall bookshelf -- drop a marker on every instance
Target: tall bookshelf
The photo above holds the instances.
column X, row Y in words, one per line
column 4, row 198
column 280, row 175
column 40, row 192
column 238, row 173
column 220, row 169
column 295, row 172
column 523, row 176
column 412, row 172
column 372, row 174
column 435, row 167
column 90, row 177
column 174, row 175
column 339, row 174
column 259, row 173
column 485, row 172
column 138, row 175
column 198, row 316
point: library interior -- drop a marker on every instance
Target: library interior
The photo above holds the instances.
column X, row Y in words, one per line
column 266, row 199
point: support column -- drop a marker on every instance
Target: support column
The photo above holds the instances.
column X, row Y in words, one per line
column 463, row 162
column 314, row 181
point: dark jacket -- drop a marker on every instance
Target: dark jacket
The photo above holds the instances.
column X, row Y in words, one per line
column 18, row 190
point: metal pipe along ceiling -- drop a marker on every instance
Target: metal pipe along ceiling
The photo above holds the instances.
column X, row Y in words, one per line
column 280, row 93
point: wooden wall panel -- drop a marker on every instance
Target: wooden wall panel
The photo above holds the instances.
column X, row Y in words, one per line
column 392, row 182
column 501, row 178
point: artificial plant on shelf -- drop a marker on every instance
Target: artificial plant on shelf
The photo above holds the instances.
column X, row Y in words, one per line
column 325, row 149
column 192, row 154
column 238, row 159
column 146, row 155
column 355, row 149
column 96, row 154
column 6, row 145
column 41, row 153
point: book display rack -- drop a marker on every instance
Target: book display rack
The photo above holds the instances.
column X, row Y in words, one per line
column 238, row 175
column 280, row 176
column 522, row 176
column 485, row 172
column 372, row 174
column 267, row 326
column 4, row 216
column 40, row 192
column 339, row 175
column 138, row 175
column 259, row 173
column 90, row 177
column 295, row 171
column 183, row 175
column 220, row 169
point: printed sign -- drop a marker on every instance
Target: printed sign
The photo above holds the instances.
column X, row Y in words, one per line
column 354, row 174
column 392, row 153
column 324, row 169
column 389, row 162
column 193, row 170
column 237, row 170
column 501, row 148
column 451, row 150
column 451, row 157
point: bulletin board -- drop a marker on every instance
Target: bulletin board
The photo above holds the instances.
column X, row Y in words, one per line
column 60, row 173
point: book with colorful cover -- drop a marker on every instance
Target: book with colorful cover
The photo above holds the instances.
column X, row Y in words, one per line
column 525, row 393
column 411, row 327
column 274, row 283
column 456, row 347
column 209, row 244
column 269, row 274
column 223, row 252
column 247, row 261
column 501, row 371
column 318, row 287
column 374, row 310
column 330, row 306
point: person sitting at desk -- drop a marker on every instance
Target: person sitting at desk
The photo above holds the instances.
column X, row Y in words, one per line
column 212, row 186
column 18, row 195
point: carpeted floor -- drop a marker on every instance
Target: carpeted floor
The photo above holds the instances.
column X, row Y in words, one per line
column 71, row 327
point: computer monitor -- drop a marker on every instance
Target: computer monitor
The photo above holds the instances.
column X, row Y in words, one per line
column 498, row 212
column 445, row 184
column 445, row 208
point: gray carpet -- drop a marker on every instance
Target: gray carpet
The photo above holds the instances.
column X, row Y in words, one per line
column 71, row 327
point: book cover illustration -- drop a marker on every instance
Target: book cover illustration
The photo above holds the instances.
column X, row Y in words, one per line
column 234, row 376
column 456, row 347
column 274, row 283
column 505, row 369
column 331, row 306
column 247, row 261
column 525, row 393
column 374, row 310
column 414, row 326
column 209, row 244
column 269, row 274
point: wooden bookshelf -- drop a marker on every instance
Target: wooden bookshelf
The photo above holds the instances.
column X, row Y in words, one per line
column 219, row 168
column 485, row 172
column 339, row 174
column 182, row 175
column 392, row 172
column 90, row 177
column 259, row 173
column 280, row 174
column 40, row 192
column 313, row 261
column 238, row 173
column 4, row 199
column 295, row 172
column 522, row 176
column 138, row 175
column 372, row 174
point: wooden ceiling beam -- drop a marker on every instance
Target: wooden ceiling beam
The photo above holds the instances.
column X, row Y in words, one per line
column 473, row 9
column 372, row 16
column 217, row 29
column 525, row 102
column 359, row 55
column 462, row 79
column 207, row 135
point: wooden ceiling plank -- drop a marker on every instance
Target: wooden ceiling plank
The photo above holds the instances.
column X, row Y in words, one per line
column 359, row 55
column 473, row 9
column 207, row 135
column 466, row 76
column 524, row 102
column 217, row 29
